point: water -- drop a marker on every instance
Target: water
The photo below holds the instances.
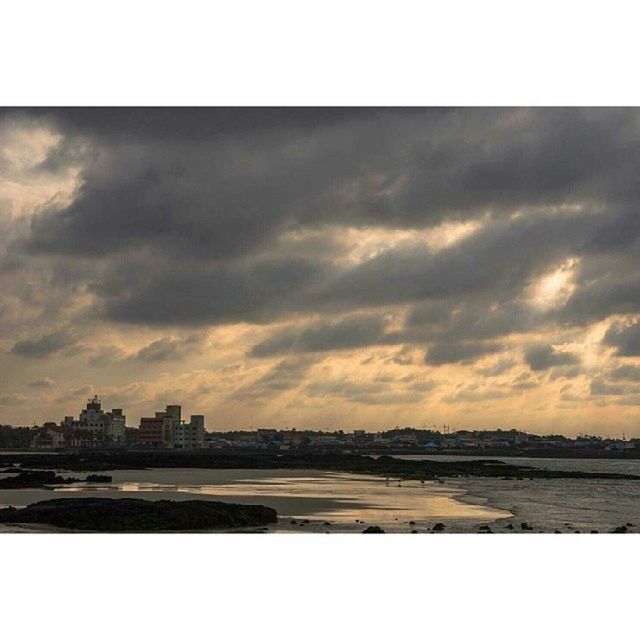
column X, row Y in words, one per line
column 349, row 502
column 318, row 496
column 559, row 504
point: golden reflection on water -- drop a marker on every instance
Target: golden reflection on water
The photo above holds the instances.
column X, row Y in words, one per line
column 338, row 497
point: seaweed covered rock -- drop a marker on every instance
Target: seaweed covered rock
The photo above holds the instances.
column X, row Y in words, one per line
column 131, row 514
column 43, row 479
column 97, row 478
column 33, row 480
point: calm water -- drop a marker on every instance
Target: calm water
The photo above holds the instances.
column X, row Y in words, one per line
column 350, row 502
column 318, row 496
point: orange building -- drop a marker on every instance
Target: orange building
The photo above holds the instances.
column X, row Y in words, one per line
column 156, row 431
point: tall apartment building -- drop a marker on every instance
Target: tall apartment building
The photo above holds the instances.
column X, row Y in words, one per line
column 106, row 426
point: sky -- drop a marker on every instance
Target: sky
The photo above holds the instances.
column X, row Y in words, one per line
column 323, row 268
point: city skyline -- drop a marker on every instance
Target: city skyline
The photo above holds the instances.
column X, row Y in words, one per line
column 319, row 267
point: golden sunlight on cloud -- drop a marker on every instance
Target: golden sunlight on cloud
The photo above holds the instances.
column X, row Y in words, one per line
column 362, row 244
column 555, row 287
column 24, row 185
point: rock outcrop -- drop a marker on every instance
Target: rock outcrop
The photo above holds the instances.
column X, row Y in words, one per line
column 129, row 515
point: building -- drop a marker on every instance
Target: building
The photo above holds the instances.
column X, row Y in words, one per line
column 167, row 429
column 51, row 436
column 107, row 427
column 157, row 431
column 190, row 435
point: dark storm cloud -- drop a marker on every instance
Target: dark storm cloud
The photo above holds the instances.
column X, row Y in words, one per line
column 543, row 357
column 503, row 255
column 448, row 353
column 181, row 215
column 626, row 339
column 166, row 184
column 348, row 333
column 197, row 123
column 215, row 198
column 157, row 292
column 44, row 346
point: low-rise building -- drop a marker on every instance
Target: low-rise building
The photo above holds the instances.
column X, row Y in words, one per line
column 51, row 436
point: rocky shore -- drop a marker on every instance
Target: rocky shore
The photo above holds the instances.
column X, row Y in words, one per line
column 44, row 479
column 385, row 466
column 127, row 515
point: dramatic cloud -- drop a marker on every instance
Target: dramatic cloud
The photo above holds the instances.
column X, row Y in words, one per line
column 285, row 375
column 626, row 372
column 167, row 349
column 346, row 266
column 497, row 368
column 626, row 339
column 349, row 333
column 544, row 357
column 600, row 387
column 446, row 353
column 44, row 346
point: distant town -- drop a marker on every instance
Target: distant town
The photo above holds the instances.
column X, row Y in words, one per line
column 96, row 428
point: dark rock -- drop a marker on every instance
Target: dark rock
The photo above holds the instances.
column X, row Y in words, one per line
column 509, row 526
column 373, row 529
column 43, row 479
column 526, row 527
column 594, row 531
column 412, row 522
column 94, row 477
column 34, row 480
column 485, row 529
column 622, row 529
column 413, row 531
column 327, row 524
column 129, row 514
column 439, row 526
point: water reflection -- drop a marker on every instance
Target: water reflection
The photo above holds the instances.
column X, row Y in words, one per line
column 339, row 498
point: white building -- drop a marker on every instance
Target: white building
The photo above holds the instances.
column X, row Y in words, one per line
column 110, row 425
